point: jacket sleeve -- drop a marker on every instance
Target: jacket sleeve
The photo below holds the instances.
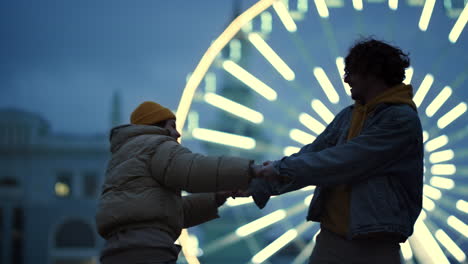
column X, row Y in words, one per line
column 199, row 208
column 175, row 166
column 374, row 149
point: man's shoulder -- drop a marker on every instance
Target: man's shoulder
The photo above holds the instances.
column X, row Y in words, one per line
column 400, row 113
column 345, row 111
column 400, row 110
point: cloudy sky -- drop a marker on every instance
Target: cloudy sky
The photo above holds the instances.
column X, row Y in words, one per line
column 65, row 59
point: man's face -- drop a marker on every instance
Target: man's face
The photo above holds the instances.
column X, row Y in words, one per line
column 359, row 84
column 171, row 126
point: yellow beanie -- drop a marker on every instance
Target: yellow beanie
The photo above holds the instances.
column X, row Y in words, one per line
column 149, row 113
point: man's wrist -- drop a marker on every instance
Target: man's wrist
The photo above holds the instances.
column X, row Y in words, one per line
column 252, row 171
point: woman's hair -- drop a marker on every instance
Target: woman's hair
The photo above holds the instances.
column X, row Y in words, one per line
column 161, row 124
column 369, row 56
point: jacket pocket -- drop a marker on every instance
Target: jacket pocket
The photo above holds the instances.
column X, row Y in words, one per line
column 387, row 201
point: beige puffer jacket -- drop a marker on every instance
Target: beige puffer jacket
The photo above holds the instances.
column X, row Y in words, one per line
column 145, row 177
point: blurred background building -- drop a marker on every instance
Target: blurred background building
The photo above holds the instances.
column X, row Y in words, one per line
column 71, row 71
column 48, row 188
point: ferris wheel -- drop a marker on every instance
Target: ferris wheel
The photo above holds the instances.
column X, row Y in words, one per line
column 294, row 73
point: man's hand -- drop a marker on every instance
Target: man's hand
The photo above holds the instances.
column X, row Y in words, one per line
column 270, row 173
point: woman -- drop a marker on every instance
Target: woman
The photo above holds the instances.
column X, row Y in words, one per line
column 141, row 211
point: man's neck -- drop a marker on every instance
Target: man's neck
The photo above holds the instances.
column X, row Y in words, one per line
column 377, row 89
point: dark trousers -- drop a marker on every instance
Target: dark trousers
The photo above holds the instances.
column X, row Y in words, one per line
column 139, row 256
column 333, row 249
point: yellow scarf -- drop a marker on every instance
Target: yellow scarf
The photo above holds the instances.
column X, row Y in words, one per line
column 400, row 94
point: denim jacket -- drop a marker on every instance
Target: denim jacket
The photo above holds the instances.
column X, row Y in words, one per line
column 383, row 165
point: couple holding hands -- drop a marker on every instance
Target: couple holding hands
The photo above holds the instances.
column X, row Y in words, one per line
column 367, row 166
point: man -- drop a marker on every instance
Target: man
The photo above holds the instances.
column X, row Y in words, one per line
column 367, row 164
column 141, row 211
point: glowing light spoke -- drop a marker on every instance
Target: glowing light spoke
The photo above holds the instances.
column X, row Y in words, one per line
column 440, row 99
column 211, row 54
column 311, row 123
column 239, row 201
column 271, row 56
column 432, row 192
column 436, row 143
column 425, row 246
column 462, row 205
column 426, row 14
column 275, row 246
column 326, row 85
column 321, row 8
column 443, row 169
column 250, row 80
column 283, row 13
column 305, row 253
column 406, row 250
column 261, row 223
column 223, row 138
column 425, row 136
column 393, row 4
column 308, row 188
column 308, row 199
column 341, row 65
column 441, row 156
column 288, row 151
column 452, row 115
column 451, row 247
column 322, row 111
column 459, row 25
column 458, row 225
column 301, row 136
column 187, row 243
column 408, row 75
column 422, row 215
column 357, row 4
column 234, row 108
column 233, row 237
column 441, row 182
column 423, row 89
column 428, row 204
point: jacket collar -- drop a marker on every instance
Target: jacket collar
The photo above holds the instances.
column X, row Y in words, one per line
column 121, row 134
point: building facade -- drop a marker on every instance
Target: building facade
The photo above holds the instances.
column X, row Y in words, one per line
column 48, row 188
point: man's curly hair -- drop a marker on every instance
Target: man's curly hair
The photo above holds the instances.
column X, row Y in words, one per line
column 369, row 56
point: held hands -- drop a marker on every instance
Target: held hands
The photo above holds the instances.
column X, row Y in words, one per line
column 268, row 172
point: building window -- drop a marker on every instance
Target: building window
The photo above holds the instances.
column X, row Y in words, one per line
column 74, row 234
column 17, row 236
column 2, row 242
column 90, row 184
column 8, row 182
column 74, row 244
column 63, row 184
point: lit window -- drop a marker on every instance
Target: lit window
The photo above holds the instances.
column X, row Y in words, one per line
column 90, row 184
column 63, row 184
column 75, row 234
